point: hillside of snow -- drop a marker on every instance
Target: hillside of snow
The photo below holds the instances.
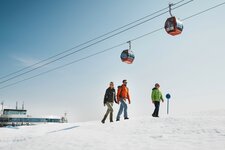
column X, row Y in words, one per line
column 202, row 131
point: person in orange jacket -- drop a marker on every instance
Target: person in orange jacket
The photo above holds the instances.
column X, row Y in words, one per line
column 122, row 96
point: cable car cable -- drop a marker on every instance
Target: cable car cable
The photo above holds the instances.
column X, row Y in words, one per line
column 62, row 66
column 201, row 12
column 56, row 68
column 35, row 64
column 50, row 62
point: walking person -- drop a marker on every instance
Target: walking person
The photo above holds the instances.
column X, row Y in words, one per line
column 156, row 98
column 109, row 98
column 122, row 97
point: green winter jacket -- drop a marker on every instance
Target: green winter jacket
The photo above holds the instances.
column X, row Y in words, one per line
column 156, row 95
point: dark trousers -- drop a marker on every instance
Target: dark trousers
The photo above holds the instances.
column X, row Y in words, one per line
column 109, row 111
column 156, row 111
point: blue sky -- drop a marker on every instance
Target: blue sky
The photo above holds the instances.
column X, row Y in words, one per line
column 189, row 66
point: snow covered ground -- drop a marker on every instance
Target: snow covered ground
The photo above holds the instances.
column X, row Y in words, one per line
column 202, row 131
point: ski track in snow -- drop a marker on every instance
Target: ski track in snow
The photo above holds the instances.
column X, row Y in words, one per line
column 192, row 132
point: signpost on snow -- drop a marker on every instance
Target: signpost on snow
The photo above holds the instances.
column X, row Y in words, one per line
column 168, row 99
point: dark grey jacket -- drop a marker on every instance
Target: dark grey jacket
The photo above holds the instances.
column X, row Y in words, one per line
column 110, row 95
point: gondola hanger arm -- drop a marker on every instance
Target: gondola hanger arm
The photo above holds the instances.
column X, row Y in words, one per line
column 170, row 9
column 129, row 42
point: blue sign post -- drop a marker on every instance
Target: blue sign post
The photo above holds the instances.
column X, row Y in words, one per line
column 168, row 98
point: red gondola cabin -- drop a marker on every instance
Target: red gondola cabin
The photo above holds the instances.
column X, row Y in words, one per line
column 173, row 26
column 127, row 56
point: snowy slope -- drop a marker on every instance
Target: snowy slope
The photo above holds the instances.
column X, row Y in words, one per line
column 203, row 131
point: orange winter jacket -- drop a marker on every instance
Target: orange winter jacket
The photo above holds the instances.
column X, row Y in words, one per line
column 123, row 92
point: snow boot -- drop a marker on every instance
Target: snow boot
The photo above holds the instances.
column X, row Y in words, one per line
column 103, row 120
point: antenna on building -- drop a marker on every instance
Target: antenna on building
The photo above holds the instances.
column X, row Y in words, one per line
column 23, row 106
column 2, row 103
column 16, row 105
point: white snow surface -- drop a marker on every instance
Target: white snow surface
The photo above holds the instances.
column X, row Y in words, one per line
column 202, row 131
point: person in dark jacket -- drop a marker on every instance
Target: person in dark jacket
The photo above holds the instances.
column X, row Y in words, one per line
column 109, row 98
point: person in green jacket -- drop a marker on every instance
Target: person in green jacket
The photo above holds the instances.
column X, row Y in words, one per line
column 156, row 98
